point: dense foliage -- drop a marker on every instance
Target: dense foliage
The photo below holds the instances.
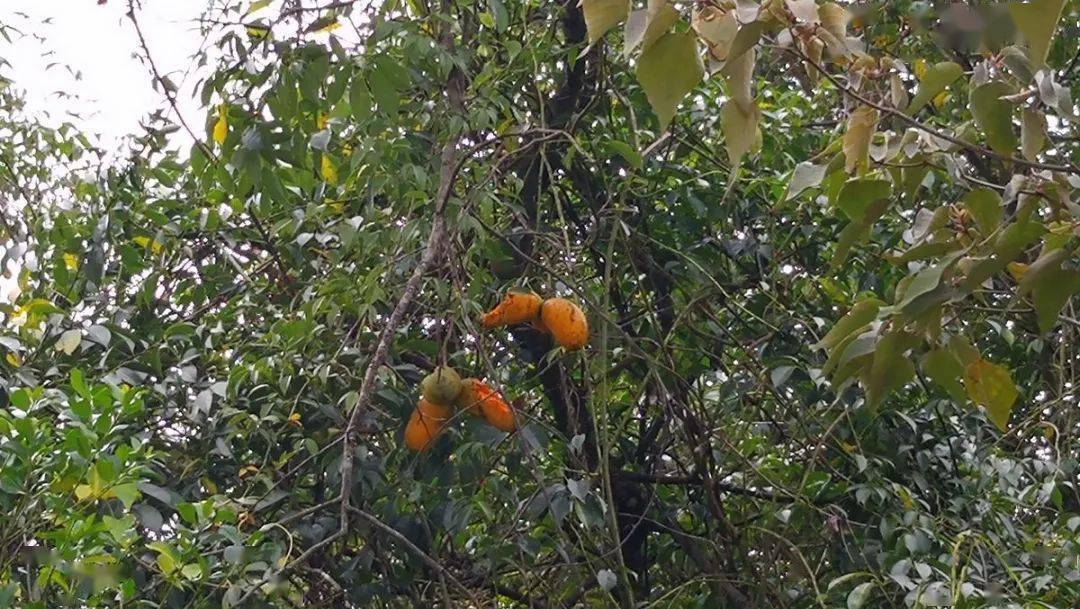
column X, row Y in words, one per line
column 826, row 252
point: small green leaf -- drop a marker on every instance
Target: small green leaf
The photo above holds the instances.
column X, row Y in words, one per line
column 669, row 70
column 627, row 152
column 864, row 312
column 937, row 78
column 192, row 571
column 602, row 15
column 991, row 387
column 1037, row 21
column 994, row 115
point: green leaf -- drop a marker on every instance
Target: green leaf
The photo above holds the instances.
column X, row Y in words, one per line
column 669, row 70
column 1037, row 21
column 602, row 15
column 627, row 152
column 740, row 130
column 944, row 368
column 121, row 529
column 167, row 559
column 937, row 78
column 1032, row 132
column 856, row 232
column 923, row 282
column 890, row 367
column 127, row 493
column 984, row 205
column 991, row 387
column 994, row 115
column 192, row 571
column 963, row 349
column 859, row 595
column 1052, row 293
column 864, row 312
column 359, row 98
column 645, row 26
column 858, row 194
column 806, row 175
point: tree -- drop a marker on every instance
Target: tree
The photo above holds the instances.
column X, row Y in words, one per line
column 827, row 254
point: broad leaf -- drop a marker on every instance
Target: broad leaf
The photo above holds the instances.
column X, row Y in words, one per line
column 858, row 194
column 933, row 82
column 985, row 208
column 991, row 386
column 667, row 71
column 1037, row 21
column 645, row 26
column 602, row 15
column 861, row 126
column 994, row 115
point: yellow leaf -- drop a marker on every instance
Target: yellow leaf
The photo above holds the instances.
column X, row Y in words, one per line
column 83, row 492
column 941, row 98
column 144, row 242
column 602, row 15
column 258, row 32
column 1018, row 270
column 991, row 387
column 71, row 261
column 920, row 68
column 322, row 120
column 13, row 359
column 329, row 170
column 221, row 128
column 860, row 130
column 330, row 27
column 69, row 341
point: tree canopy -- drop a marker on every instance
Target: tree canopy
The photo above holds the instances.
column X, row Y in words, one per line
column 826, row 252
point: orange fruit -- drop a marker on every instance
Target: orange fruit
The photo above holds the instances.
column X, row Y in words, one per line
column 481, row 400
column 425, row 424
column 515, row 308
column 499, row 414
column 566, row 322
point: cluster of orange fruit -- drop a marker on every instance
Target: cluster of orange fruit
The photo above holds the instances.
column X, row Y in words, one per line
column 441, row 392
column 561, row 318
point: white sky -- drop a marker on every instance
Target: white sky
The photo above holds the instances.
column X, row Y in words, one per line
column 99, row 42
